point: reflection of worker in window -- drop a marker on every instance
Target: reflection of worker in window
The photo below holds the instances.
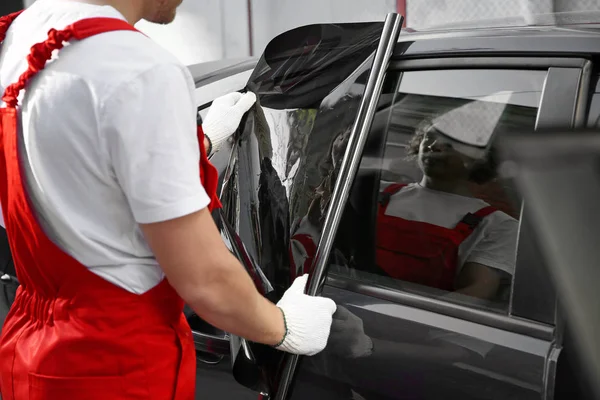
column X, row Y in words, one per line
column 306, row 231
column 435, row 233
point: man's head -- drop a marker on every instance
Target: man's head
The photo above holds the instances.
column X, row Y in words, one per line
column 156, row 11
column 438, row 159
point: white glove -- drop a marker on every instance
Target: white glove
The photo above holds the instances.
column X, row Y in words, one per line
column 307, row 318
column 348, row 338
column 224, row 116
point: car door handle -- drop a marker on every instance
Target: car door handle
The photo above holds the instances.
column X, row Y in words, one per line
column 212, row 344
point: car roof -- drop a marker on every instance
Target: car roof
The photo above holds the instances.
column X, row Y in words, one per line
column 212, row 71
column 581, row 40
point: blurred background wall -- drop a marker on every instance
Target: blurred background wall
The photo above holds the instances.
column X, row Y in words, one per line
column 239, row 28
column 207, row 30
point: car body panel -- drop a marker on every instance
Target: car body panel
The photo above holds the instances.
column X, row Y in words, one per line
column 568, row 159
column 502, row 41
column 428, row 356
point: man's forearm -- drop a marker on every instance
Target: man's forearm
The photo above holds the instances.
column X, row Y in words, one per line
column 479, row 290
column 212, row 282
column 478, row 280
column 229, row 300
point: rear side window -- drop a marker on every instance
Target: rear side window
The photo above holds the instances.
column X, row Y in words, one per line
column 428, row 213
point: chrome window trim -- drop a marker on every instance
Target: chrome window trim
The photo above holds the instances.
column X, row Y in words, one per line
column 350, row 162
column 353, row 155
column 487, row 62
column 582, row 103
column 479, row 316
column 232, row 67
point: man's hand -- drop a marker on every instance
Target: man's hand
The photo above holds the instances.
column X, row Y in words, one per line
column 348, row 338
column 225, row 115
column 307, row 320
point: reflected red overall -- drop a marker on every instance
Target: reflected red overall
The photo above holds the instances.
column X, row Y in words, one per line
column 70, row 334
column 420, row 252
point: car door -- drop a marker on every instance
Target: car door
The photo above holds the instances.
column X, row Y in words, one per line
column 429, row 343
column 309, row 83
column 566, row 223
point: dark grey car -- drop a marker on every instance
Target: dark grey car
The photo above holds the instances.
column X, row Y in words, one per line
column 335, row 122
column 338, row 108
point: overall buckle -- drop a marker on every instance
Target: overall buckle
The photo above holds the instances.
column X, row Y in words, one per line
column 471, row 220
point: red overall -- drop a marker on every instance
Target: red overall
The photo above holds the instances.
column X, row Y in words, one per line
column 71, row 334
column 420, row 252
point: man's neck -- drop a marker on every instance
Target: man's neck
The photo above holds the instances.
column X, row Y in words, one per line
column 132, row 10
column 455, row 187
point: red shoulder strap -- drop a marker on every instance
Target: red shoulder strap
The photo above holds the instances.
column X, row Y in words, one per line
column 94, row 26
column 394, row 188
column 5, row 23
column 42, row 52
column 485, row 211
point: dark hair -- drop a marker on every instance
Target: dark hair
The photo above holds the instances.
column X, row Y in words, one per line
column 481, row 172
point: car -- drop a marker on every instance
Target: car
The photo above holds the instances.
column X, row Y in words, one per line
column 338, row 107
column 303, row 183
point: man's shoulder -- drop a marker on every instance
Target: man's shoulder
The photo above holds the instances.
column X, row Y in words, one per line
column 114, row 58
column 131, row 47
column 102, row 62
column 501, row 220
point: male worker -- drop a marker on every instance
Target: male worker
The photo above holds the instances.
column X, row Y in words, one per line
column 101, row 196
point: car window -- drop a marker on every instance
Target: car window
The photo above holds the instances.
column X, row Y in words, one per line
column 428, row 213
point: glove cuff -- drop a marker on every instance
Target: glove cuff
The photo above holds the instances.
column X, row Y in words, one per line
column 210, row 145
column 215, row 136
column 285, row 335
column 299, row 339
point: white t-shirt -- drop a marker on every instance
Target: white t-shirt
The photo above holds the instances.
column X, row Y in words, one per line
column 108, row 140
column 493, row 243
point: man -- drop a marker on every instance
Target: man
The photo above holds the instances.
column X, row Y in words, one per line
column 435, row 232
column 109, row 225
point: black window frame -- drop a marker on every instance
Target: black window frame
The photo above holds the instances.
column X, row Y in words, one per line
column 594, row 99
column 563, row 104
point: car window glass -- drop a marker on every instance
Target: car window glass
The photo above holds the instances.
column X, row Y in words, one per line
column 297, row 151
column 428, row 213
